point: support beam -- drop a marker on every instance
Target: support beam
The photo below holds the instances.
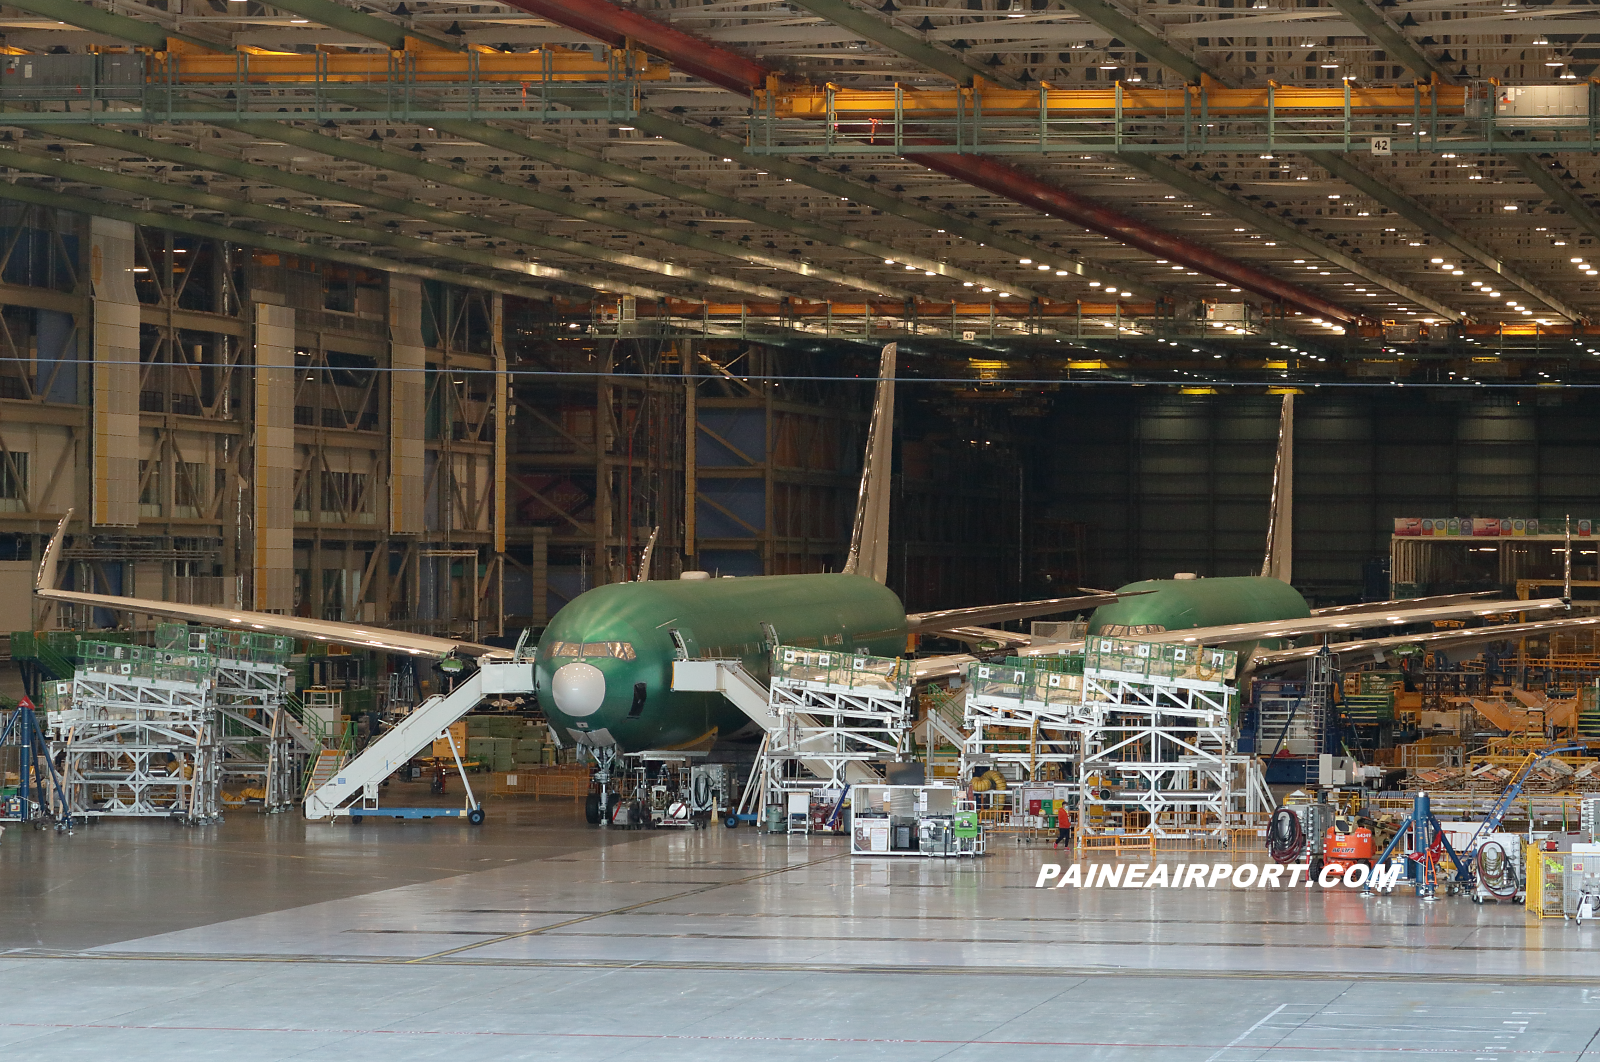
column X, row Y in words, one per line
column 248, row 171
column 515, row 143
column 1108, row 18
column 354, row 151
column 1387, row 36
column 95, row 20
column 1211, row 193
column 1124, row 27
column 738, row 74
column 866, row 195
column 1417, row 214
column 892, row 37
column 1541, row 170
column 291, row 219
column 1019, row 187
column 27, row 193
column 338, row 16
column 615, row 25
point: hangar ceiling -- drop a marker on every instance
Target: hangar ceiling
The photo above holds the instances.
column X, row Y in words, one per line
column 825, row 160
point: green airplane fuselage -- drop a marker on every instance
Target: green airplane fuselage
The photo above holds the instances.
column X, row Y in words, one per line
column 625, row 637
column 633, row 703
column 1182, row 604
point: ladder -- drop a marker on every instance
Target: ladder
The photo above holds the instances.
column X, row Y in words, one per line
column 1319, row 698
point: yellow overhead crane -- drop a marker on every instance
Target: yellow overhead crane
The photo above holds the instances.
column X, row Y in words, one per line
column 784, row 100
column 419, row 61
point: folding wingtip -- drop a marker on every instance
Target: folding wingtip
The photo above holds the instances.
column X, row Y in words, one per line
column 46, row 579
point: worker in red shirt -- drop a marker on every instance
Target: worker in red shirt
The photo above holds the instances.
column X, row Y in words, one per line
column 1063, row 825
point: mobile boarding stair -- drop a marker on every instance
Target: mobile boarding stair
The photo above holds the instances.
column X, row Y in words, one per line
column 352, row 789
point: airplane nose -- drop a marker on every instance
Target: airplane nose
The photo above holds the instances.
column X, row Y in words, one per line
column 579, row 689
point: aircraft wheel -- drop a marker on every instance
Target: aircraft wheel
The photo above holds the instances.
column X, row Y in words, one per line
column 475, row 816
column 591, row 809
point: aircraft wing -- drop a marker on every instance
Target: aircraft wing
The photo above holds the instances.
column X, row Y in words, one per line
column 1370, row 649
column 1413, row 602
column 1341, row 623
column 978, row 635
column 953, row 619
column 928, row 668
column 352, row 634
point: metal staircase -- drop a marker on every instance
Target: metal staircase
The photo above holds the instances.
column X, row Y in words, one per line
column 327, row 765
column 388, row 753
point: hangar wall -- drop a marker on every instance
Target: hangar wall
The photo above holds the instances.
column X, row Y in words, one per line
column 1173, row 483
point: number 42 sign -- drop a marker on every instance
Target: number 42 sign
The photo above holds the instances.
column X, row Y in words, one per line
column 1382, row 145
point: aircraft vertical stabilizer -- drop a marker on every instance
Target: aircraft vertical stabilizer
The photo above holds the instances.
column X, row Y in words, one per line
column 1279, row 561
column 869, row 538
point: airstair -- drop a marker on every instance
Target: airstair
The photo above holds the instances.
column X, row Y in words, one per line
column 360, row 778
column 326, row 766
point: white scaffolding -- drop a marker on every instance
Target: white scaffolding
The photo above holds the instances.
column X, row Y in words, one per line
column 1143, row 731
column 836, row 715
column 1025, row 718
column 1158, row 755
column 159, row 731
column 137, row 735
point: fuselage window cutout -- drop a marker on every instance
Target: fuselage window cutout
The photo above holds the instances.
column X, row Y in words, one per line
column 678, row 645
column 636, row 709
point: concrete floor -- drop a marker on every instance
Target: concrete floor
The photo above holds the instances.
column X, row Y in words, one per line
column 537, row 937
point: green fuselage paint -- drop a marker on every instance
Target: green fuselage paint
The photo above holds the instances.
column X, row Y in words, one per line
column 722, row 618
column 1181, row 604
column 738, row 618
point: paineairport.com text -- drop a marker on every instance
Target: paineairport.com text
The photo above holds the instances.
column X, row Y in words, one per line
column 1216, row 876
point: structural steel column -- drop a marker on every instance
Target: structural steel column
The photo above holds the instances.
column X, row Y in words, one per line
column 497, row 338
column 274, row 461
column 691, row 429
column 115, row 448
column 407, row 402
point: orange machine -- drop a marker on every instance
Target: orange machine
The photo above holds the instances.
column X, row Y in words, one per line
column 1343, row 848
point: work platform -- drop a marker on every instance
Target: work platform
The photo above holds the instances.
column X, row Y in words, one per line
column 1141, row 731
column 829, row 717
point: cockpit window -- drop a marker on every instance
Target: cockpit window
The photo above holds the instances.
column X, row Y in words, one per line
column 612, row 650
column 1120, row 630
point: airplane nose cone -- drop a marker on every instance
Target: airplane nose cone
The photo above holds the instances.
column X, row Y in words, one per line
column 579, row 689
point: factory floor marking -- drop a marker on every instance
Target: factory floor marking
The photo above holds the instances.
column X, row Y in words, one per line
column 624, row 910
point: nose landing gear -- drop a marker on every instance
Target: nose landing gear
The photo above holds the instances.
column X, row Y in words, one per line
column 600, row 805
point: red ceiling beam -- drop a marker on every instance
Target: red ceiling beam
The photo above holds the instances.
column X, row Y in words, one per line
column 1019, row 187
column 616, row 26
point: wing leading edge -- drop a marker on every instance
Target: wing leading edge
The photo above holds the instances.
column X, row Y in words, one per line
column 1368, row 649
column 353, row 634
column 955, row 619
column 1338, row 623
